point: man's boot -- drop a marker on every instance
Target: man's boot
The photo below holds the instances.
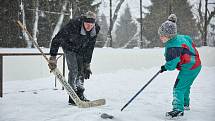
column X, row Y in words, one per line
column 80, row 94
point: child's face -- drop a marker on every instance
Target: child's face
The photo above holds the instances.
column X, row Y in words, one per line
column 164, row 39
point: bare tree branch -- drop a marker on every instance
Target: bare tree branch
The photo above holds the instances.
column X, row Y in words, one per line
column 200, row 12
column 114, row 19
column 115, row 15
column 212, row 14
column 200, row 23
column 50, row 12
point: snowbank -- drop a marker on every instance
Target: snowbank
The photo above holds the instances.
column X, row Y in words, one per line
column 104, row 60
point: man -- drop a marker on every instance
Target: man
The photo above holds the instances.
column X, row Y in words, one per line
column 77, row 39
column 180, row 53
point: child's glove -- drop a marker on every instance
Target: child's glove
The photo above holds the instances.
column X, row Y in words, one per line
column 163, row 69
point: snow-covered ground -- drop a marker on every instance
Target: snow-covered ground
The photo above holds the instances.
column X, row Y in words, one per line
column 119, row 74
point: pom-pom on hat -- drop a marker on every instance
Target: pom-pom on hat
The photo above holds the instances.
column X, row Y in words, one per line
column 172, row 18
column 169, row 27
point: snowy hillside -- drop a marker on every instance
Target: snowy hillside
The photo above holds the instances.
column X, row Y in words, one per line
column 117, row 75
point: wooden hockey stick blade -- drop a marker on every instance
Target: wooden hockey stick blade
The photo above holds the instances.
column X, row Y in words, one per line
column 93, row 103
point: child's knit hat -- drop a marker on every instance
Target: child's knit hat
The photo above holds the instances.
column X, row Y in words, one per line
column 169, row 27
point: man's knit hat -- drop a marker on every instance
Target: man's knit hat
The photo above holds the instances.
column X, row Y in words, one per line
column 169, row 27
column 90, row 17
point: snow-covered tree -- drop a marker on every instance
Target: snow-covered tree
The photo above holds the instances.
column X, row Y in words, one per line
column 158, row 13
column 80, row 7
column 125, row 29
column 102, row 36
column 135, row 40
column 204, row 19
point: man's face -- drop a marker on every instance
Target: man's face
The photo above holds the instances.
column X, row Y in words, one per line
column 88, row 26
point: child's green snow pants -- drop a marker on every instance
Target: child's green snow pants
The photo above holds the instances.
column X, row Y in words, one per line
column 181, row 90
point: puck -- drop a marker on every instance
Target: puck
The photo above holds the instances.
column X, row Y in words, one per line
column 106, row 116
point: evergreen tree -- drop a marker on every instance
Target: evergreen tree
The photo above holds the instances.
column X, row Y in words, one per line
column 10, row 33
column 49, row 19
column 125, row 29
column 49, row 12
column 102, row 36
column 80, row 7
column 186, row 24
column 158, row 13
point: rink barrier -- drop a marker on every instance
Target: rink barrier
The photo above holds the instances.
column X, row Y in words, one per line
column 22, row 54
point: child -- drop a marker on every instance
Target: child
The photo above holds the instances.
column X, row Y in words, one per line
column 180, row 53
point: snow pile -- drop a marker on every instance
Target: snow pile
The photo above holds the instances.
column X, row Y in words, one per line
column 105, row 60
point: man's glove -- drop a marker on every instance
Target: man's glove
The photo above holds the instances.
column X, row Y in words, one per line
column 52, row 62
column 163, row 69
column 87, row 71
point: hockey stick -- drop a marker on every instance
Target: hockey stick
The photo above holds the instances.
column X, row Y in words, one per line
column 140, row 91
column 61, row 78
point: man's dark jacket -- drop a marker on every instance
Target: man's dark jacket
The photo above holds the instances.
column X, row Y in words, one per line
column 73, row 37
